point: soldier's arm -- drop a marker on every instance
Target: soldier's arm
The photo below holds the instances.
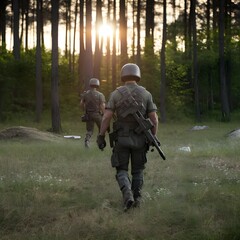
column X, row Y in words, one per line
column 107, row 116
column 82, row 104
column 102, row 107
column 154, row 118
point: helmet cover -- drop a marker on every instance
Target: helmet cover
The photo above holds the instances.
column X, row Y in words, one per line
column 94, row 82
column 130, row 70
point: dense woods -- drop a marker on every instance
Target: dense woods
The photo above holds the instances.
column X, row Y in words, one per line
column 188, row 51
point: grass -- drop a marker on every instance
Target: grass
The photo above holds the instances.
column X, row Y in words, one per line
column 60, row 190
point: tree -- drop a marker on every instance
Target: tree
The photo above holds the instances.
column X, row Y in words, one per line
column 88, row 57
column 195, row 60
column 98, row 46
column 16, row 44
column 149, row 27
column 139, row 8
column 223, row 80
column 39, row 97
column 82, row 52
column 123, row 32
column 56, row 122
column 163, row 65
column 3, row 5
column 114, row 61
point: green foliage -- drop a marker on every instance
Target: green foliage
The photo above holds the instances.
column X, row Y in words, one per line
column 17, row 82
column 150, row 69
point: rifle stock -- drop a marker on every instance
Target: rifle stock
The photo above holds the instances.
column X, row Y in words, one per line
column 145, row 126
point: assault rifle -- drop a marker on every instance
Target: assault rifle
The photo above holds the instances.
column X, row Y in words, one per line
column 130, row 106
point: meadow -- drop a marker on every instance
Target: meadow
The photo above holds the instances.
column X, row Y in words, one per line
column 60, row 190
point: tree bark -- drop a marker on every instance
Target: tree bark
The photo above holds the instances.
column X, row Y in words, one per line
column 195, row 62
column 56, row 123
column 223, row 80
column 98, row 45
column 123, row 32
column 82, row 53
column 16, row 44
column 39, row 97
column 89, row 57
column 163, row 66
column 114, row 61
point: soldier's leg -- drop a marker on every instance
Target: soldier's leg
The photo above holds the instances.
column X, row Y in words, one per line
column 120, row 160
column 98, row 121
column 125, row 186
column 137, row 184
column 89, row 133
column 138, row 160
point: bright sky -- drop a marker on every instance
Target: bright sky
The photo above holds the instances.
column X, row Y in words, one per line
column 105, row 32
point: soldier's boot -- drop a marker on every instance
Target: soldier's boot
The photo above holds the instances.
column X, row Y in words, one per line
column 137, row 184
column 125, row 187
column 87, row 140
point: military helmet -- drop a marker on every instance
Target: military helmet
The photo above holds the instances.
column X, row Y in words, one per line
column 130, row 70
column 94, row 82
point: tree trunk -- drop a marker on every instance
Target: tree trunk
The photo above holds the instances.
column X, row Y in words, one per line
column 223, row 80
column 123, row 32
column 16, row 44
column 163, row 66
column 26, row 24
column 39, row 97
column 89, row 62
column 209, row 69
column 56, row 123
column 82, row 53
column 138, row 58
column 3, row 4
column 98, row 48
column 114, row 62
column 74, row 36
column 195, row 62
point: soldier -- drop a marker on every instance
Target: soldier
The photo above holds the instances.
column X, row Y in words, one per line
column 93, row 103
column 128, row 145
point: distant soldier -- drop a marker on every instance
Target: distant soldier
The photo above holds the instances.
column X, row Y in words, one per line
column 129, row 145
column 93, row 103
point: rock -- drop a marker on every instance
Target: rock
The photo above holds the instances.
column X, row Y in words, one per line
column 234, row 134
column 199, row 128
column 27, row 133
column 185, row 149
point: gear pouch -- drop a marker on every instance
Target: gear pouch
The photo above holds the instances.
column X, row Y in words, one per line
column 133, row 141
column 85, row 117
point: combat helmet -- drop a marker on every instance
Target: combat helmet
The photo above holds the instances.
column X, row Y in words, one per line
column 94, row 82
column 130, row 71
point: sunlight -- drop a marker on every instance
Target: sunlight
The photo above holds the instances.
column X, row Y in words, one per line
column 105, row 30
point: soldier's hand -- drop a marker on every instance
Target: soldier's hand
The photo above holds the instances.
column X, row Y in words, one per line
column 101, row 142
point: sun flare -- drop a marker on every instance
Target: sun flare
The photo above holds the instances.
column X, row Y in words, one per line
column 105, row 30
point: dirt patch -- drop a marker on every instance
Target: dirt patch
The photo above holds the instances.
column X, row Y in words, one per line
column 27, row 133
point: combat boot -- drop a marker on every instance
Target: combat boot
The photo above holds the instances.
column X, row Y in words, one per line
column 125, row 187
column 86, row 144
column 137, row 183
column 87, row 140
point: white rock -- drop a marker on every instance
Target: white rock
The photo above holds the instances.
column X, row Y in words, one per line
column 185, row 149
column 199, row 127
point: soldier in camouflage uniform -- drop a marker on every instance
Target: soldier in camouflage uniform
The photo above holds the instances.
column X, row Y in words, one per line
column 128, row 145
column 93, row 103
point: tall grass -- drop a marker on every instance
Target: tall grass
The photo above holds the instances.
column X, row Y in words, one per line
column 60, row 190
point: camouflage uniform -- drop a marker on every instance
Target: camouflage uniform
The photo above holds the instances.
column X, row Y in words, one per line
column 92, row 100
column 128, row 144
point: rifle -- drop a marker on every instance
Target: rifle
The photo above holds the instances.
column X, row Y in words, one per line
column 130, row 106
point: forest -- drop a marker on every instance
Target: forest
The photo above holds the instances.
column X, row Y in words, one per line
column 188, row 52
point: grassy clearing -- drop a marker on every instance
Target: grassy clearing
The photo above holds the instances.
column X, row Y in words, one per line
column 59, row 190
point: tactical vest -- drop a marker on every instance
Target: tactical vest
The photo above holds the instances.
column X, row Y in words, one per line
column 136, row 93
column 92, row 101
